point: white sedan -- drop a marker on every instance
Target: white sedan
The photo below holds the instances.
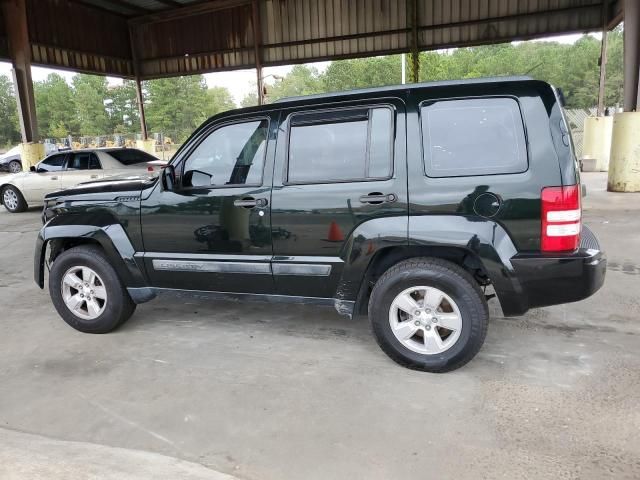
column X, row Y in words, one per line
column 66, row 169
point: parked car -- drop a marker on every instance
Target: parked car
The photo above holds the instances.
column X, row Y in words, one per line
column 66, row 169
column 10, row 161
column 411, row 204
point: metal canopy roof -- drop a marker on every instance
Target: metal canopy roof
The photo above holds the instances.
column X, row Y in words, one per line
column 157, row 38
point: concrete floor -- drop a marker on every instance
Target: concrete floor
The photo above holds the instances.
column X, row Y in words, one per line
column 266, row 392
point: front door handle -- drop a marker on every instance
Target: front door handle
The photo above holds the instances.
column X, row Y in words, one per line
column 377, row 198
column 94, row 176
column 250, row 202
column 54, row 178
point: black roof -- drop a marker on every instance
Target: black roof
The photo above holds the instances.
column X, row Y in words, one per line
column 408, row 86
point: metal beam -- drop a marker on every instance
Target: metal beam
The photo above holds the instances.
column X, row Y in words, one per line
column 631, row 55
column 188, row 11
column 603, row 58
column 130, row 6
column 16, row 26
column 170, row 3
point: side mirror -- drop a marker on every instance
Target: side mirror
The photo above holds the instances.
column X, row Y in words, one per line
column 169, row 178
column 32, row 168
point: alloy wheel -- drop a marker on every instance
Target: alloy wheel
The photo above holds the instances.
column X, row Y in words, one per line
column 425, row 320
column 10, row 199
column 84, row 292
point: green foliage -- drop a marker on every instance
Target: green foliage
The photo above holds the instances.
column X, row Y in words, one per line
column 90, row 93
column 219, row 100
column 9, row 129
column 55, row 106
column 249, row 100
column 176, row 104
column 301, row 80
column 122, row 108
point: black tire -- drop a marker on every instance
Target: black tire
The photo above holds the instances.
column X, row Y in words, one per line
column 21, row 205
column 119, row 306
column 451, row 279
column 15, row 166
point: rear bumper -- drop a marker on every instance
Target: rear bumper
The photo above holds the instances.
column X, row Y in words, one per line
column 551, row 280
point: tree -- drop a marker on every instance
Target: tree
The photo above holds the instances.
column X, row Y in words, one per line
column 219, row 100
column 122, row 108
column 301, row 80
column 55, row 106
column 177, row 105
column 90, row 92
column 362, row 72
column 9, row 127
column 249, row 100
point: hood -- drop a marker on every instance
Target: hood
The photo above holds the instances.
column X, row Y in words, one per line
column 107, row 188
column 12, row 177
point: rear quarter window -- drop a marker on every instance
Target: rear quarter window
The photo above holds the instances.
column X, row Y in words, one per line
column 131, row 157
column 476, row 136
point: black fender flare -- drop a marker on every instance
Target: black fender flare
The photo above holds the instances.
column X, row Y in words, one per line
column 483, row 238
column 112, row 238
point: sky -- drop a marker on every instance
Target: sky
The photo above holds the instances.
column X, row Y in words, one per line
column 239, row 82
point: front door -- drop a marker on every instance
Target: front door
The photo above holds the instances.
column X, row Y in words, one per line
column 336, row 169
column 212, row 232
column 46, row 179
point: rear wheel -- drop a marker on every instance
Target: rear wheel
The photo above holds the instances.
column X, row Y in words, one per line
column 87, row 292
column 428, row 314
column 13, row 200
column 15, row 166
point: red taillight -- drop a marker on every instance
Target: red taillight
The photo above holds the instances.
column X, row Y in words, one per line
column 150, row 168
column 561, row 218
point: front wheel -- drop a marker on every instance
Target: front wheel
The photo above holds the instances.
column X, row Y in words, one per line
column 86, row 291
column 428, row 314
column 13, row 200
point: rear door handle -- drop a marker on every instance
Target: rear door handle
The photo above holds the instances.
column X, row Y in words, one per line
column 249, row 202
column 54, row 178
column 94, row 176
column 377, row 198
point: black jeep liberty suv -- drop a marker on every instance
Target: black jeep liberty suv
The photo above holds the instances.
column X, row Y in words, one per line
column 404, row 203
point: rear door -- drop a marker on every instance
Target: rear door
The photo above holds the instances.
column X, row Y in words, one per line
column 336, row 168
column 81, row 167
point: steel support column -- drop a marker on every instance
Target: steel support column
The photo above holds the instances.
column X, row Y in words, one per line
column 139, row 94
column 15, row 16
column 631, row 55
column 257, row 38
column 603, row 58
column 143, row 118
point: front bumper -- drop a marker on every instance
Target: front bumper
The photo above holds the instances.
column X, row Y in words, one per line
column 554, row 279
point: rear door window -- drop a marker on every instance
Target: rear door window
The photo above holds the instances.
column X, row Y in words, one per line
column 83, row 161
column 128, row 156
column 341, row 145
column 468, row 137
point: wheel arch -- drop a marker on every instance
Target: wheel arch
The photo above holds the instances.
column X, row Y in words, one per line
column 387, row 257
column 5, row 185
column 481, row 246
column 112, row 239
